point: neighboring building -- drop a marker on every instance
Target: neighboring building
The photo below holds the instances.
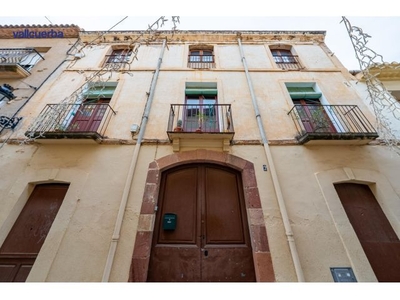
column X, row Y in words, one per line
column 389, row 76
column 29, row 55
column 213, row 156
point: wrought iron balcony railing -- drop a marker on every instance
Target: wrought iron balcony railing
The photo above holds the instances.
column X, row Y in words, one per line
column 331, row 122
column 287, row 62
column 24, row 58
column 198, row 118
column 201, row 61
column 72, row 121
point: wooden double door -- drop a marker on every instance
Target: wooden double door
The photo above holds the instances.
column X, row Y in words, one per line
column 314, row 116
column 209, row 238
column 89, row 115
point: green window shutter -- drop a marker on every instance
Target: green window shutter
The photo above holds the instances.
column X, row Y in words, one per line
column 201, row 88
column 303, row 93
column 199, row 91
column 100, row 91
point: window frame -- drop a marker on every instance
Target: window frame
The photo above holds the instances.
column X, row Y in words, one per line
column 285, row 58
column 201, row 57
column 120, row 55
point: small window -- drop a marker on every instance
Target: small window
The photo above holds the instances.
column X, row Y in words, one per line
column 285, row 59
column 119, row 56
column 201, row 58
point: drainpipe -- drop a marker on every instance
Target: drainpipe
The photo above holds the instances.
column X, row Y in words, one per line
column 275, row 181
column 128, row 182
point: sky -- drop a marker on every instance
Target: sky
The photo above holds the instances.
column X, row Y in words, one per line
column 372, row 18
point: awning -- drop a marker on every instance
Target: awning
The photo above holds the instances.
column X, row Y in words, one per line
column 303, row 93
column 199, row 91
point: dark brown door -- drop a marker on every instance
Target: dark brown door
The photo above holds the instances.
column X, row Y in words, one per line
column 89, row 116
column 211, row 240
column 377, row 237
column 26, row 237
column 313, row 116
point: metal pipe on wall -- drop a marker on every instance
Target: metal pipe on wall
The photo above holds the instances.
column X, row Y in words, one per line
column 275, row 180
column 131, row 172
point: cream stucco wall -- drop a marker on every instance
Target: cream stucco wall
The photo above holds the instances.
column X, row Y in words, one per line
column 86, row 219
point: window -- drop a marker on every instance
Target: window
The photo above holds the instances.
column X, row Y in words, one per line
column 201, row 58
column 285, row 59
column 314, row 116
column 88, row 113
column 200, row 108
column 119, row 56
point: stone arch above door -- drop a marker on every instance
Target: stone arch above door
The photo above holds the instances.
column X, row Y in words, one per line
column 261, row 253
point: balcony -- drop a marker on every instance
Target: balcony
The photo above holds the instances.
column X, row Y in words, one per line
column 200, row 126
column 287, row 62
column 72, row 121
column 17, row 62
column 317, row 124
column 201, row 62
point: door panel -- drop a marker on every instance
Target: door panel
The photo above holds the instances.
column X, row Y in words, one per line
column 228, row 264
column 226, row 253
column 89, row 116
column 15, row 269
column 26, row 237
column 175, row 255
column 377, row 237
column 179, row 198
column 223, row 212
column 313, row 116
column 211, row 240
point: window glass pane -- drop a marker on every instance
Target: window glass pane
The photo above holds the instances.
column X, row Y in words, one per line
column 120, row 55
column 194, row 58
column 192, row 101
column 209, row 101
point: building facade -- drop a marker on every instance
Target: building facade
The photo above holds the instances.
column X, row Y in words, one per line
column 386, row 79
column 198, row 156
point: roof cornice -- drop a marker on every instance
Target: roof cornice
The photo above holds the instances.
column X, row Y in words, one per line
column 208, row 36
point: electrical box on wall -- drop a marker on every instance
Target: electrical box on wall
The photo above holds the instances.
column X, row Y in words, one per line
column 343, row 275
column 169, row 221
column 134, row 129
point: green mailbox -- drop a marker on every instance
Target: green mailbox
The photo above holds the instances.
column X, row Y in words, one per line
column 169, row 221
